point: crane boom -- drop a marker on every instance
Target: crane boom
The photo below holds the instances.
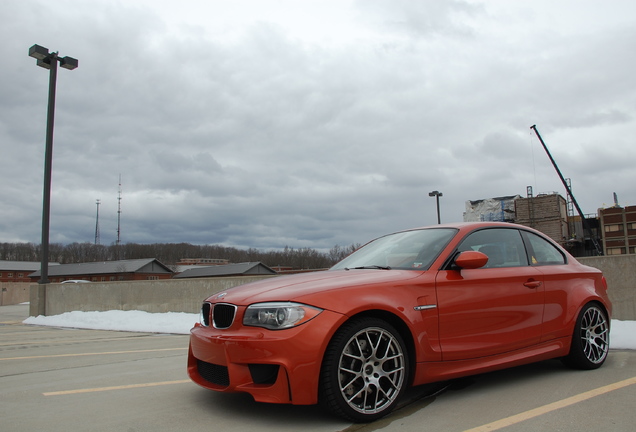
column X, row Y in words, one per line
column 586, row 225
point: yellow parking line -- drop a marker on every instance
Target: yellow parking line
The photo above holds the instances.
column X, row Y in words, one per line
column 123, row 387
column 518, row 418
column 91, row 354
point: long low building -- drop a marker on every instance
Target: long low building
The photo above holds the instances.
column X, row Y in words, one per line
column 19, row 271
column 108, row 271
column 240, row 269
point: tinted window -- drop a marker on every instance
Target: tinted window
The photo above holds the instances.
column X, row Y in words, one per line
column 503, row 246
column 542, row 252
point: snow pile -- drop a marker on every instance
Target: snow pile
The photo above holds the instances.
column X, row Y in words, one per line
column 133, row 321
column 623, row 335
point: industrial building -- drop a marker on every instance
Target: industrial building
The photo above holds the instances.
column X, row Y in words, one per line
column 551, row 214
column 619, row 230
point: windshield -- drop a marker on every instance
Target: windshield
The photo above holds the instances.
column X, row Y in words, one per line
column 415, row 250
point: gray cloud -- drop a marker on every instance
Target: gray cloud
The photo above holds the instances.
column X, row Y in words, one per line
column 256, row 134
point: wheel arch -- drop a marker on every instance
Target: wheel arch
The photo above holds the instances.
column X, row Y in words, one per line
column 603, row 306
column 595, row 301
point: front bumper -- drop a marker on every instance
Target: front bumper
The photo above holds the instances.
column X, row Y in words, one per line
column 281, row 366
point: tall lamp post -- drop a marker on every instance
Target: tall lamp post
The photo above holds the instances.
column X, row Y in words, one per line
column 48, row 61
column 437, row 194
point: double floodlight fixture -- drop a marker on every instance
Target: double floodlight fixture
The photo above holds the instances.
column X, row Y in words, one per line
column 44, row 58
column 437, row 194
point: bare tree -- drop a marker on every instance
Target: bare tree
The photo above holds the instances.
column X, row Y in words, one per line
column 171, row 253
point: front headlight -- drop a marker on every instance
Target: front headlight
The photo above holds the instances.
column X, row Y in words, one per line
column 278, row 315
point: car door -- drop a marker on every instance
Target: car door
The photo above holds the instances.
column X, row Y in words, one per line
column 494, row 309
column 558, row 281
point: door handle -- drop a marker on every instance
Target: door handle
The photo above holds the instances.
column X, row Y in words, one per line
column 532, row 284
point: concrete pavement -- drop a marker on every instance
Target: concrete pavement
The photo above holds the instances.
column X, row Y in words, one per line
column 63, row 379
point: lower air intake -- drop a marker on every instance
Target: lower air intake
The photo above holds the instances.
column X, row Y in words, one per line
column 216, row 374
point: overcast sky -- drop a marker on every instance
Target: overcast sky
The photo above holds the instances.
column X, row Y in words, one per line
column 263, row 123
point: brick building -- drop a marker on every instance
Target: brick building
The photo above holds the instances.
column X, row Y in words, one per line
column 108, row 271
column 619, row 230
column 19, row 271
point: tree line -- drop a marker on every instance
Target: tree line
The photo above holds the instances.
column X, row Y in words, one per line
column 171, row 253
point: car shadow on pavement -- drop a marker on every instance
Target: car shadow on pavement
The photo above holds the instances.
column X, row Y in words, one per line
column 243, row 406
column 295, row 417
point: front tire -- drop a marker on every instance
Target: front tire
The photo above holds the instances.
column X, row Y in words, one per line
column 365, row 370
column 590, row 341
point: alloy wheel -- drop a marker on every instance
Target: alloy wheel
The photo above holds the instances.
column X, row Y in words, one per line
column 371, row 370
column 594, row 335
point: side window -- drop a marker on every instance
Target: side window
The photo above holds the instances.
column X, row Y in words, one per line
column 542, row 252
column 503, row 246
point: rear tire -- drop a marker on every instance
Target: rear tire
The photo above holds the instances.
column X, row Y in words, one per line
column 365, row 370
column 590, row 341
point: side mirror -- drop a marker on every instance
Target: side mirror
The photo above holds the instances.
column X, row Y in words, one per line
column 471, row 260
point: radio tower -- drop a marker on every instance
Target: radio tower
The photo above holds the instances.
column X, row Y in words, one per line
column 97, row 224
column 119, row 215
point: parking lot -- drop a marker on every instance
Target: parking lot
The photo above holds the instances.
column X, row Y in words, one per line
column 62, row 379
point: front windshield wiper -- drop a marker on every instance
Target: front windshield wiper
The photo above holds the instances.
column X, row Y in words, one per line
column 369, row 267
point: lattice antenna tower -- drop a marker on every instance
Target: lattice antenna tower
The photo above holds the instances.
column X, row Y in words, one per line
column 98, row 202
column 119, row 213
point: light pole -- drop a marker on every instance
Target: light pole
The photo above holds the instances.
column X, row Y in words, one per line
column 48, row 61
column 437, row 194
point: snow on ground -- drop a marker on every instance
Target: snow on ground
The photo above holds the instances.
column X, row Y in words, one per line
column 133, row 321
column 622, row 336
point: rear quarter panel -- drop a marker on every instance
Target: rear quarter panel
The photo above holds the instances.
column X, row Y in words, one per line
column 567, row 289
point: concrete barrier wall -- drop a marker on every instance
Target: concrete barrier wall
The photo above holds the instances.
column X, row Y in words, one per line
column 186, row 295
column 172, row 295
column 620, row 272
column 12, row 293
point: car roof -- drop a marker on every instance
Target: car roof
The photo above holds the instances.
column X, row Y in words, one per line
column 470, row 226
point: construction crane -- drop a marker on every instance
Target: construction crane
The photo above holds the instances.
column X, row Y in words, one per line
column 586, row 224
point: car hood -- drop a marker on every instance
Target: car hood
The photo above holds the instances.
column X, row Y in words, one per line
column 311, row 287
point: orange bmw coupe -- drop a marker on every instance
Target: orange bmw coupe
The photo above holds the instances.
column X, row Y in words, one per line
column 413, row 307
